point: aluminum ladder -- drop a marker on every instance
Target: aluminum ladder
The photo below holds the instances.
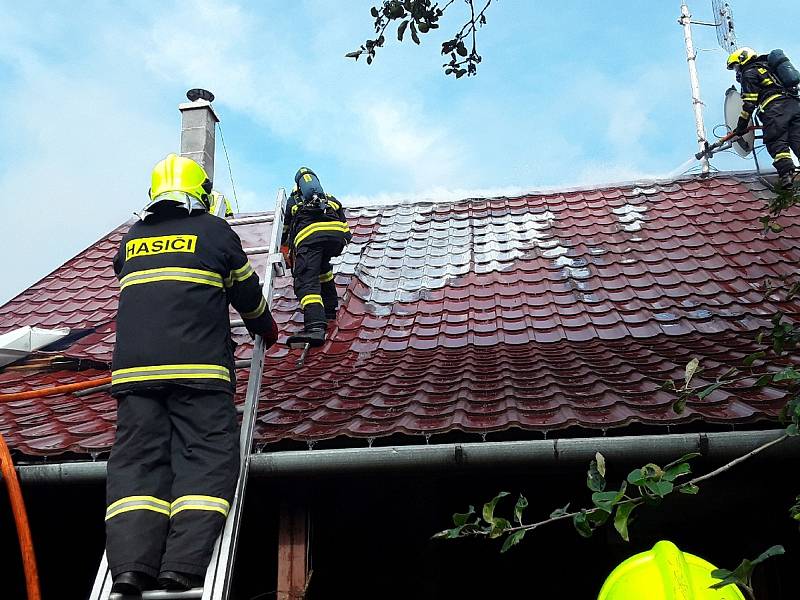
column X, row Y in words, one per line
column 219, row 575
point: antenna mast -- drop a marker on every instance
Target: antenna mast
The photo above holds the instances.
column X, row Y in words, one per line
column 685, row 21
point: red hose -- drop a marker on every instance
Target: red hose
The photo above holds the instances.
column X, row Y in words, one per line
column 21, row 520
column 59, row 389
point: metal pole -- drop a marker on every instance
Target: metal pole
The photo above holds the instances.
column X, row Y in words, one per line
column 685, row 21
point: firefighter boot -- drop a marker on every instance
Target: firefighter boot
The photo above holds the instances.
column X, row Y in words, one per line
column 172, row 580
column 132, row 583
column 312, row 337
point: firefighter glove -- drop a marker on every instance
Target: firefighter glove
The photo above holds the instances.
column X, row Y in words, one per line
column 741, row 126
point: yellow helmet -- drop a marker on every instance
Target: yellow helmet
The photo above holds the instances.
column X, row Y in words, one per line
column 178, row 175
column 220, row 207
column 741, row 57
column 665, row 573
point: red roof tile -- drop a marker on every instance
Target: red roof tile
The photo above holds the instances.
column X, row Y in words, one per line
column 533, row 313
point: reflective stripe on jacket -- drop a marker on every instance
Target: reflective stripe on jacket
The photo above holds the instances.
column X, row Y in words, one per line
column 303, row 227
column 178, row 273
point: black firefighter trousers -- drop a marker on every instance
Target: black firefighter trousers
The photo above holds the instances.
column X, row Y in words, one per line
column 171, row 477
column 781, row 120
column 313, row 282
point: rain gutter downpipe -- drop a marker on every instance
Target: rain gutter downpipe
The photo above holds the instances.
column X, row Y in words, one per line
column 462, row 457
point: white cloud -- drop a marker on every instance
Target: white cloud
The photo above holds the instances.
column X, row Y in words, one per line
column 81, row 164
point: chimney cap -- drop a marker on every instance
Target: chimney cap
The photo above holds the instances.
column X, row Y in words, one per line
column 196, row 94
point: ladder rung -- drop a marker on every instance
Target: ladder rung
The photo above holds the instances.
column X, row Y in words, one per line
column 257, row 250
column 250, row 220
column 163, row 595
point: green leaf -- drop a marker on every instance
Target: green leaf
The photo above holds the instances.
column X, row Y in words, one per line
column 374, row 12
column 680, row 404
column 401, row 30
column 488, row 508
column 651, row 470
column 739, row 576
column 682, row 459
column 787, row 374
column 499, row 525
column 606, row 500
column 749, row 360
column 636, row 477
column 582, row 525
column 621, row 517
column 461, row 518
column 601, row 463
column 414, row 35
column 560, row 512
column 691, row 368
column 668, row 385
column 597, row 518
column 763, row 380
column 512, row 540
column 659, row 488
column 707, row 390
column 724, row 575
column 449, row 533
column 776, row 550
column 672, row 473
column 522, row 504
column 594, row 479
column 792, row 430
column 689, row 488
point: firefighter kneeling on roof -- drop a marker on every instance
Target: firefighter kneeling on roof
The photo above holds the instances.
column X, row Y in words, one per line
column 314, row 231
column 175, row 460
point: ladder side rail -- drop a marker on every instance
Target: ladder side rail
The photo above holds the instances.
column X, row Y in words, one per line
column 219, row 575
column 102, row 581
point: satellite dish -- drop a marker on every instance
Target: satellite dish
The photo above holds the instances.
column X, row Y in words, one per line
column 723, row 18
column 733, row 107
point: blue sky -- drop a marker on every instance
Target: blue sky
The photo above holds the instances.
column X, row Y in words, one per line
column 581, row 94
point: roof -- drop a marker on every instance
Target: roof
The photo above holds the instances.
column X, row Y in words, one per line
column 529, row 314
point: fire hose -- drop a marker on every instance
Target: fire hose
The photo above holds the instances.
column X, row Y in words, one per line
column 21, row 521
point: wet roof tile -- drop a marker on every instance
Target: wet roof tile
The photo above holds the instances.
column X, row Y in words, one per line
column 539, row 312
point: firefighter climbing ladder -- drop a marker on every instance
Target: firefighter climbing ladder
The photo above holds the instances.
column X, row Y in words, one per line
column 217, row 584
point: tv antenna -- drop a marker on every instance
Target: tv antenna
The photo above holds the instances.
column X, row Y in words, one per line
column 723, row 23
column 723, row 15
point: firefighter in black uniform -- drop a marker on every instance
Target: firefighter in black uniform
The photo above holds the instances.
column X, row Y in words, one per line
column 175, row 460
column 314, row 231
column 779, row 109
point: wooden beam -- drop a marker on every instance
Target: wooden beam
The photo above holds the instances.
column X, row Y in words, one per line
column 293, row 574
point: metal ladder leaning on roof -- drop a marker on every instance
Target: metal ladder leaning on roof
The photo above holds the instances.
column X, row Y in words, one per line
column 217, row 584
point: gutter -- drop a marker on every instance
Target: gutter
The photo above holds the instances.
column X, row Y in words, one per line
column 440, row 458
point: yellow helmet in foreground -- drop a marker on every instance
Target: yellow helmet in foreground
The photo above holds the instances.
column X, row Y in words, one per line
column 665, row 573
column 177, row 175
column 741, row 57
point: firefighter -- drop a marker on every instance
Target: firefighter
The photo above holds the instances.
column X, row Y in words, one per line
column 314, row 231
column 778, row 105
column 175, row 459
column 220, row 207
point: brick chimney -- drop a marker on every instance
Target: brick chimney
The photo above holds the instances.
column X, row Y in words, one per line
column 198, row 126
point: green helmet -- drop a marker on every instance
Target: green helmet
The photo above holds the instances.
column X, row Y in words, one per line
column 665, row 573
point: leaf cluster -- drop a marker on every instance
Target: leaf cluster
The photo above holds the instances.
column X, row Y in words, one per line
column 419, row 17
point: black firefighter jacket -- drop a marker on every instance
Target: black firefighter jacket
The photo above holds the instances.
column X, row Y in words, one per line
column 306, row 227
column 177, row 274
column 760, row 88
